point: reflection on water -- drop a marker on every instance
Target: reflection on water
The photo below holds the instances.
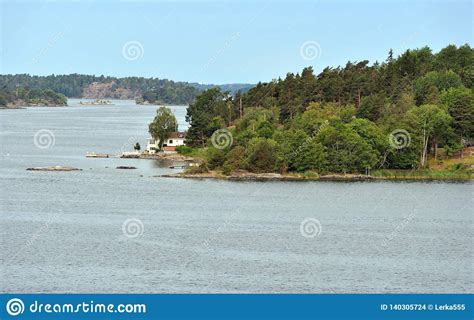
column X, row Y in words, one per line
column 64, row 231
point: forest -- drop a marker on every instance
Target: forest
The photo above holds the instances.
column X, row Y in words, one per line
column 397, row 114
column 75, row 85
column 143, row 90
column 26, row 97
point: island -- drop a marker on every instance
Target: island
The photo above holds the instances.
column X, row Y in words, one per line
column 410, row 117
column 25, row 97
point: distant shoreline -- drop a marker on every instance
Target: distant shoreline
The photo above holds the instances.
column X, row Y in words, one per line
column 299, row 177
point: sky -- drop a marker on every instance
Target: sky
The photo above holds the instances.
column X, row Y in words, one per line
column 219, row 41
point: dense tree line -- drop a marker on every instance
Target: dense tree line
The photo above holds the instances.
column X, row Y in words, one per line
column 26, row 97
column 73, row 85
column 393, row 114
column 150, row 90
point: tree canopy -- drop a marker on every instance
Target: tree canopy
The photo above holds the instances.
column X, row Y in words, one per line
column 393, row 114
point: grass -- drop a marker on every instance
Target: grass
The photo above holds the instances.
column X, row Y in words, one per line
column 198, row 153
column 457, row 171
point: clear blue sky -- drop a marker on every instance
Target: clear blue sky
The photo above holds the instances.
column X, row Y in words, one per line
column 218, row 41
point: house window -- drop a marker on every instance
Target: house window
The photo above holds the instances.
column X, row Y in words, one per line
column 171, row 141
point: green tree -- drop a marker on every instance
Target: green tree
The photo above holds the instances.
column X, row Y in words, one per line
column 203, row 117
column 460, row 103
column 261, row 155
column 434, row 82
column 289, row 143
column 235, row 159
column 163, row 125
column 346, row 151
column 311, row 156
column 430, row 122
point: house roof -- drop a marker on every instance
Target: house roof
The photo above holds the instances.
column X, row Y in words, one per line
column 177, row 135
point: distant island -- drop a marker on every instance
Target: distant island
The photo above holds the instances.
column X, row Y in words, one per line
column 143, row 90
column 411, row 116
column 23, row 97
column 96, row 102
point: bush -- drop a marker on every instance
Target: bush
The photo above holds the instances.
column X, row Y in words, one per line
column 215, row 157
column 184, row 150
column 262, row 155
column 235, row 159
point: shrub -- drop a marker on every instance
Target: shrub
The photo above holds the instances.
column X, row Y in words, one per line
column 184, row 150
column 215, row 157
column 262, row 155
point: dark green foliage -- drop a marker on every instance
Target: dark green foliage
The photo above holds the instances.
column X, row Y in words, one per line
column 205, row 115
column 460, row 103
column 215, row 157
column 311, row 156
column 261, row 155
column 428, row 87
column 344, row 119
column 184, row 150
column 153, row 90
column 235, row 159
column 346, row 151
column 27, row 96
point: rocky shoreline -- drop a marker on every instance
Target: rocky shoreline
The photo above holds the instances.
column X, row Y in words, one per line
column 53, row 168
column 249, row 176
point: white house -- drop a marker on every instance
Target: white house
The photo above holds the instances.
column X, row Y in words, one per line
column 169, row 146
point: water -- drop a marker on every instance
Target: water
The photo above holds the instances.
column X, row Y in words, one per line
column 62, row 231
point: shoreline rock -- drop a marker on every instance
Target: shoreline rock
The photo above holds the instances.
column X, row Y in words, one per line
column 248, row 176
column 53, row 168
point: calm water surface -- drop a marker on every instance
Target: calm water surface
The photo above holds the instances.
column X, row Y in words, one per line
column 62, row 231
